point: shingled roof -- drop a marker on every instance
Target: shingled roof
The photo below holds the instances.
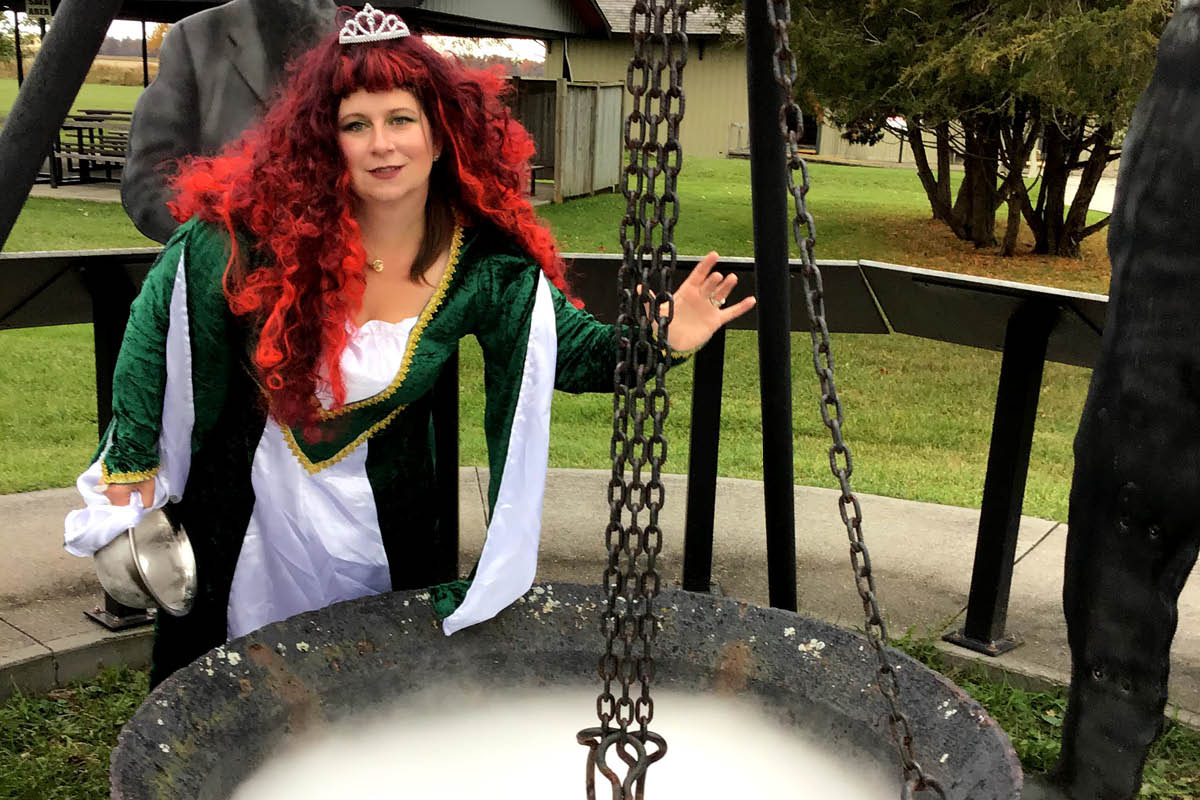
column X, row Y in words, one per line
column 700, row 20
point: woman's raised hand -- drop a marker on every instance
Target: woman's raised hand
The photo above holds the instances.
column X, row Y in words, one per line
column 699, row 306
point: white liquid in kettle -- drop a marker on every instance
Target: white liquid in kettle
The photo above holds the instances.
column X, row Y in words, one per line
column 521, row 744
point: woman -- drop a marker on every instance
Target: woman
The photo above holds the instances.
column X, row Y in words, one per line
column 279, row 359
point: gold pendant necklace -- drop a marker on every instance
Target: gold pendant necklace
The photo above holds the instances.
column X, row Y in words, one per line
column 377, row 265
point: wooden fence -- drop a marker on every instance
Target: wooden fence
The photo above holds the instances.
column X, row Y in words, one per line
column 576, row 127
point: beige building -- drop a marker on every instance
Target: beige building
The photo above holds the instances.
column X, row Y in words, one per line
column 714, row 81
column 891, row 149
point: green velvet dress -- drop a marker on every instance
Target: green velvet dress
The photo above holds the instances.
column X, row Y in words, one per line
column 281, row 522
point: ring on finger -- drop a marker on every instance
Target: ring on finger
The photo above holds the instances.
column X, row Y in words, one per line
column 717, row 302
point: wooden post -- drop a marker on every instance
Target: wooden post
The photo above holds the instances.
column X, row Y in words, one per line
column 560, row 136
column 592, row 139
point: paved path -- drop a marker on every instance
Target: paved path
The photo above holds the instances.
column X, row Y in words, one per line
column 921, row 552
column 111, row 192
column 1102, row 200
column 99, row 192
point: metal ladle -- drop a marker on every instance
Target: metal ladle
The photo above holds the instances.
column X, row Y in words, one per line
column 149, row 565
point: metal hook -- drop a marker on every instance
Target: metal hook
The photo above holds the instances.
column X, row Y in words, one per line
column 599, row 741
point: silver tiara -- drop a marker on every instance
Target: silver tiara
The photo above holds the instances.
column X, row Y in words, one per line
column 372, row 25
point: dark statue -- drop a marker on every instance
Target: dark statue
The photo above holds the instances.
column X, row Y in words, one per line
column 217, row 69
column 1135, row 499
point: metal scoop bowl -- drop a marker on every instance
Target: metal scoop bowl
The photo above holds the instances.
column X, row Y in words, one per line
column 149, row 565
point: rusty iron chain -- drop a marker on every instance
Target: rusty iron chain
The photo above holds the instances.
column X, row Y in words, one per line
column 641, row 402
column 791, row 124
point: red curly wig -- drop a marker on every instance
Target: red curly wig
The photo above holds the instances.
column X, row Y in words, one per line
column 284, row 185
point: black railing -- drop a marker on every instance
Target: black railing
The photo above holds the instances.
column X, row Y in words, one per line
column 1029, row 324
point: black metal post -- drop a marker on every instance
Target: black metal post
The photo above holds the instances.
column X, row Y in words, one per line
column 445, row 437
column 17, row 38
column 112, row 291
column 85, row 164
column 71, row 45
column 1025, row 342
column 118, row 617
column 52, row 159
column 54, row 165
column 768, row 191
column 145, row 58
column 707, row 382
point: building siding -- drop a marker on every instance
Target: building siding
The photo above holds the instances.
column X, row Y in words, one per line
column 715, row 118
column 714, row 87
column 547, row 15
column 699, row 18
column 888, row 150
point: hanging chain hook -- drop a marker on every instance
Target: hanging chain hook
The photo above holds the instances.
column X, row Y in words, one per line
column 791, row 124
column 641, row 402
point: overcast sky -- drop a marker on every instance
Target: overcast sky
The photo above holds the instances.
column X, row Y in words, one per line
column 523, row 48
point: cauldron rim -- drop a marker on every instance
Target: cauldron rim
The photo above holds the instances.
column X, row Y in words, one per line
column 292, row 673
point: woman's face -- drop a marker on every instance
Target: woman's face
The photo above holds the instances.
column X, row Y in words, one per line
column 388, row 146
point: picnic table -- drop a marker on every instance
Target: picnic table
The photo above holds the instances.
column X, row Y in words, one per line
column 533, row 171
column 88, row 139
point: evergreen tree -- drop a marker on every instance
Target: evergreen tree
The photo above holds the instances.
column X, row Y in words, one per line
column 985, row 81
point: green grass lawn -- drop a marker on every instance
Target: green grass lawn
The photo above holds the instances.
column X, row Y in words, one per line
column 91, row 95
column 906, row 442
column 56, row 746
column 1033, row 722
column 852, row 207
column 53, row 224
column 918, row 412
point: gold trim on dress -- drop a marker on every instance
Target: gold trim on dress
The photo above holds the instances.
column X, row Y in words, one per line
column 414, row 338
column 313, row 467
column 125, row 477
column 682, row 353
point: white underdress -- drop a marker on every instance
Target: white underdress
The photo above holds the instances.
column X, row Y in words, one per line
column 314, row 539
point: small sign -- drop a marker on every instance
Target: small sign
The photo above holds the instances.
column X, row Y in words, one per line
column 38, row 8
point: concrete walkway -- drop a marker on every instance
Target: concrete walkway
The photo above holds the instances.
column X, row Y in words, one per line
column 1102, row 200
column 97, row 192
column 922, row 555
column 111, row 192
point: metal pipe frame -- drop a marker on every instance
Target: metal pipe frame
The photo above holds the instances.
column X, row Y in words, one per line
column 768, row 192
column 707, row 383
column 1017, row 397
